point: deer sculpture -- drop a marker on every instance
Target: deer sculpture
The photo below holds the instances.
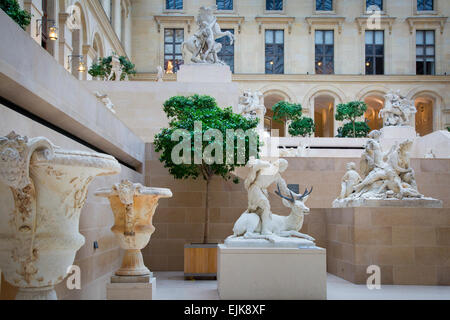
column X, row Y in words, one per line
column 249, row 223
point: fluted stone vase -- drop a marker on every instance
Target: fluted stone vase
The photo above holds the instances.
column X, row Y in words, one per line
column 42, row 191
column 133, row 206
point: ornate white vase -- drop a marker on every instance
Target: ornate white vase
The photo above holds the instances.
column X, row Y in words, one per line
column 133, row 206
column 42, row 191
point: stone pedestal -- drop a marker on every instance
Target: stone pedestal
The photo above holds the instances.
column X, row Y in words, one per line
column 252, row 273
column 390, row 135
column 205, row 73
column 131, row 291
column 410, row 245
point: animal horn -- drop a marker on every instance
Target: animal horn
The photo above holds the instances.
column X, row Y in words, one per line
column 278, row 192
column 305, row 194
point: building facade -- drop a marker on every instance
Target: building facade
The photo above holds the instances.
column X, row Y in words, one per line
column 318, row 53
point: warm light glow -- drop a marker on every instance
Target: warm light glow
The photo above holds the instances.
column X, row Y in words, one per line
column 271, row 62
column 367, row 64
column 53, row 33
column 169, row 67
column 319, row 63
column 81, row 67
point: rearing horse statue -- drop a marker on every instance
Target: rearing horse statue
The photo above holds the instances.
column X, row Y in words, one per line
column 202, row 45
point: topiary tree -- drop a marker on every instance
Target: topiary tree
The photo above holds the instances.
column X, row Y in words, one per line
column 102, row 69
column 12, row 9
column 299, row 126
column 209, row 144
column 351, row 111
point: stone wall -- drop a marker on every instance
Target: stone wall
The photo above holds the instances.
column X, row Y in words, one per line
column 179, row 220
column 96, row 218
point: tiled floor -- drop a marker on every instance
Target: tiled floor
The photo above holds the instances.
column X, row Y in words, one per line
column 172, row 286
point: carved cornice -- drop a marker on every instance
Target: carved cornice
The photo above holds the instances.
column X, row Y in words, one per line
column 106, row 26
column 289, row 21
column 413, row 21
column 88, row 50
column 312, row 21
column 235, row 20
column 174, row 18
column 362, row 21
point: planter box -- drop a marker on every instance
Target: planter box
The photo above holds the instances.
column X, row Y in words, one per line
column 200, row 260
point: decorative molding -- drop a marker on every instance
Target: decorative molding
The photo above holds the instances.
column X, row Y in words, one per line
column 88, row 50
column 312, row 21
column 236, row 20
column 414, row 21
column 103, row 21
column 289, row 21
column 172, row 18
column 362, row 21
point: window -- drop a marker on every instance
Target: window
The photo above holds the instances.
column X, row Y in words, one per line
column 324, row 51
column 44, row 26
column 172, row 49
column 227, row 52
column 425, row 47
column 224, row 4
column 274, row 5
column 425, row 5
column 324, row 5
column 274, row 51
column 174, row 4
column 374, row 52
column 378, row 3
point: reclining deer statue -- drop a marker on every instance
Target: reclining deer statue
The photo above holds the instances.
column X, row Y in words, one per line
column 249, row 223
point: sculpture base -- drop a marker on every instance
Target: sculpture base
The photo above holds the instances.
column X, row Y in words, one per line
column 132, row 279
column 203, row 72
column 131, row 291
column 44, row 293
column 279, row 242
column 389, row 203
column 133, row 264
column 271, row 273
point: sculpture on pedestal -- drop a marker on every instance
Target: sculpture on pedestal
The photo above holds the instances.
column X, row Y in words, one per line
column 116, row 69
column 258, row 221
column 105, row 100
column 383, row 175
column 202, row 45
column 250, row 105
column 133, row 206
column 40, row 213
column 397, row 110
column 160, row 74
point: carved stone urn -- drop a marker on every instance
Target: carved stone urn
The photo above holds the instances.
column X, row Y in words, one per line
column 42, row 191
column 133, row 206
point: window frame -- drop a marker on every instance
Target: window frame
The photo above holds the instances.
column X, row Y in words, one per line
column 166, row 10
column 174, row 54
column 318, row 11
column 323, row 55
column 383, row 6
column 373, row 53
column 232, row 10
column 265, row 50
column 282, row 11
column 425, row 12
column 425, row 56
column 232, row 30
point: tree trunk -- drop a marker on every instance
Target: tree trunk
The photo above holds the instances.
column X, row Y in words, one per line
column 206, row 230
column 354, row 129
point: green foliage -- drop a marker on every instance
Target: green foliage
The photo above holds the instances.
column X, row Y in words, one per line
column 103, row 68
column 284, row 110
column 300, row 126
column 448, row 129
column 183, row 112
column 361, row 129
column 12, row 9
column 304, row 127
column 351, row 111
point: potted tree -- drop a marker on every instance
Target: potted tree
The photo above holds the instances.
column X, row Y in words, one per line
column 102, row 68
column 12, row 9
column 204, row 152
column 351, row 111
column 299, row 125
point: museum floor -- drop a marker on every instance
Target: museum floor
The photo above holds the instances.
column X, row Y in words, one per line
column 172, row 286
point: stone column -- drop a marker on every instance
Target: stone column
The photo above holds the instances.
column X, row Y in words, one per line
column 64, row 40
column 116, row 16
column 34, row 7
column 128, row 32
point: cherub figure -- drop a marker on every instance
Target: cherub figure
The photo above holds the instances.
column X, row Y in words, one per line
column 349, row 180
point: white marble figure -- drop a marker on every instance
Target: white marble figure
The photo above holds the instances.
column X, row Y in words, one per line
column 105, row 100
column 397, row 110
column 383, row 175
column 202, row 45
column 159, row 76
column 249, row 224
column 116, row 69
column 250, row 105
column 349, row 180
